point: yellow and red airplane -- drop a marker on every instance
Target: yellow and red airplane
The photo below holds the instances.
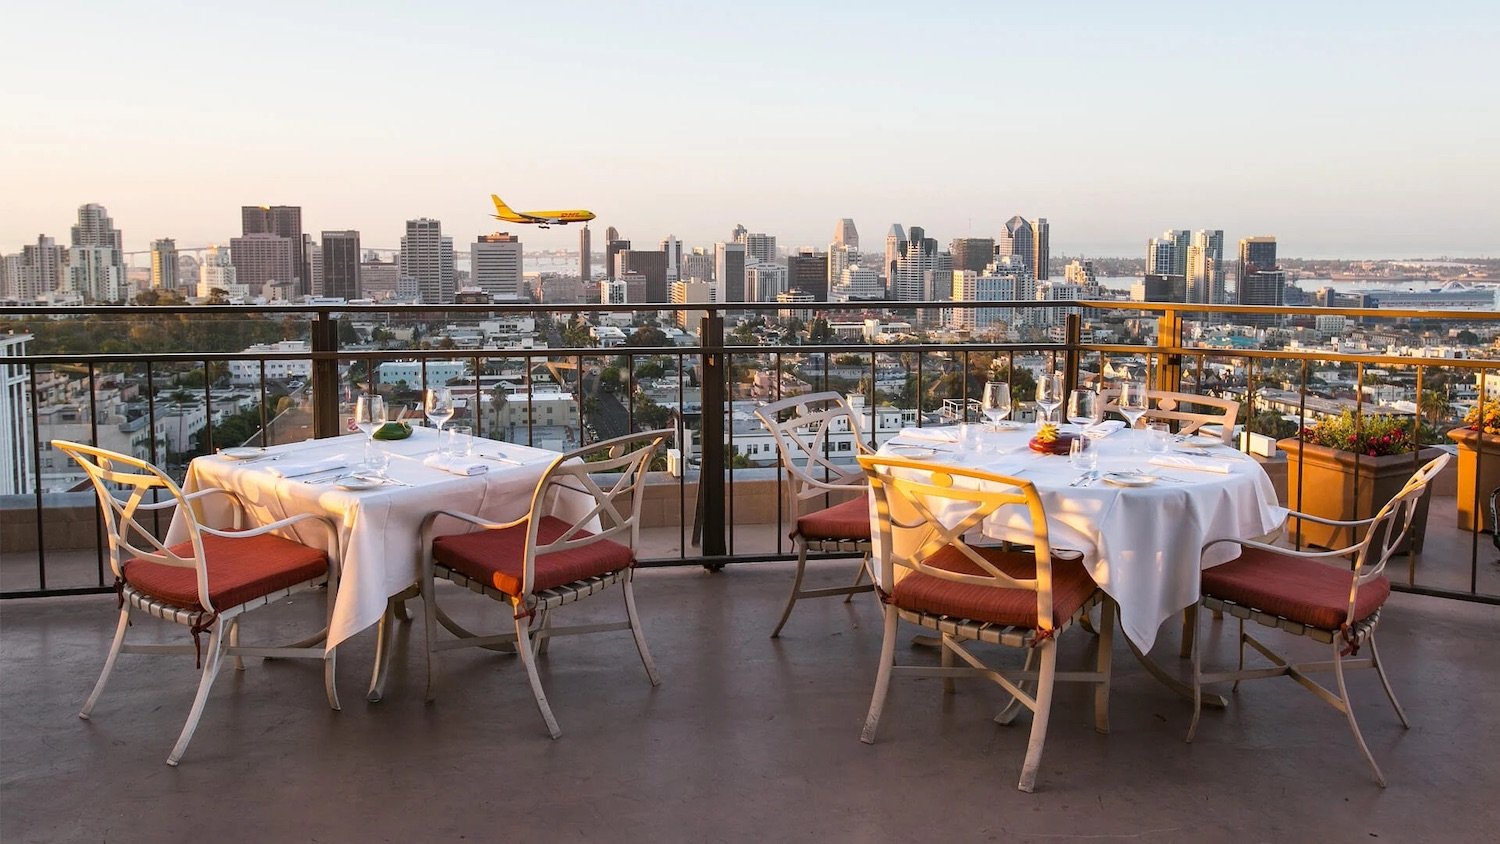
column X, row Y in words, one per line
column 540, row 218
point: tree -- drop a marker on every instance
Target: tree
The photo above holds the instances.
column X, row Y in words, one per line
column 650, row 369
column 1467, row 338
column 820, row 332
column 648, row 335
column 609, row 379
column 1434, row 407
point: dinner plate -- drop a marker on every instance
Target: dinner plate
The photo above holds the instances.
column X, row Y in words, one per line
column 1128, row 479
column 241, row 453
column 1196, row 444
column 913, row 452
column 357, row 483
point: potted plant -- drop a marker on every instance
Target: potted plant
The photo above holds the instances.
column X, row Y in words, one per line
column 1478, row 460
column 1346, row 467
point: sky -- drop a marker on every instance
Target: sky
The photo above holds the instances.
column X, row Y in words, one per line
column 1345, row 129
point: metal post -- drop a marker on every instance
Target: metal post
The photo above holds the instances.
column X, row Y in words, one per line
column 715, row 409
column 1169, row 335
column 325, row 376
column 1071, row 358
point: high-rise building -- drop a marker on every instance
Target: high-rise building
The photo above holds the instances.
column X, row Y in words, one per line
column 858, row 284
column 1082, row 273
column 1018, row 240
column 340, row 261
column 652, row 265
column 999, row 282
column 840, row 258
column 1056, row 291
column 672, row 247
column 265, row 259
column 427, row 258
column 764, row 282
column 585, row 254
column 909, row 277
column 38, row 270
column 972, row 253
column 1259, row 280
column 1041, row 249
column 698, row 265
column 282, row 221
column 1161, row 287
column 895, row 249
column 612, row 249
column 217, row 272
column 95, row 228
column 1257, row 254
column 497, row 263
column 808, row 270
column 17, row 450
column 729, row 271
column 760, row 247
column 1167, row 255
column 739, row 233
column 96, row 258
column 378, row 279
column 691, row 293
column 1205, row 267
column 844, row 234
column 164, row 264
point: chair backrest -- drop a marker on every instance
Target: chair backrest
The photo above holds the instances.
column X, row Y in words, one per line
column 801, row 427
column 128, row 537
column 612, row 474
column 1388, row 530
column 923, row 509
column 1205, row 410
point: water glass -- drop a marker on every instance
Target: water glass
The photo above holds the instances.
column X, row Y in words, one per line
column 1083, row 454
column 1158, row 438
column 459, row 442
column 369, row 414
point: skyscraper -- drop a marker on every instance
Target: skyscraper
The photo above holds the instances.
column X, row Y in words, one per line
column 760, row 247
column 40, row 269
column 427, row 258
column 1041, row 249
column 612, row 248
column 1260, row 282
column 1018, row 240
column 1167, row 255
column 844, row 234
column 972, row 253
column 840, row 258
column 164, row 264
column 698, row 265
column 217, row 273
column 1205, row 267
column 1257, row 254
column 95, row 228
column 764, row 282
column 497, row 264
column 729, row 271
column 673, row 249
column 738, row 235
column 909, row 275
column 282, row 221
column 263, row 258
column 895, row 249
column 96, row 259
column 341, row 265
column 585, row 254
column 808, row 271
column 652, row 265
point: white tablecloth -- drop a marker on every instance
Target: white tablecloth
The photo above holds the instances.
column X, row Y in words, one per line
column 1141, row 544
column 378, row 528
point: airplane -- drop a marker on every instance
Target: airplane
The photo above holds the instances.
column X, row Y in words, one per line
column 544, row 219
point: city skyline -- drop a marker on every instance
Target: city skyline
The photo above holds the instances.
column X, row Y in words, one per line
column 1363, row 121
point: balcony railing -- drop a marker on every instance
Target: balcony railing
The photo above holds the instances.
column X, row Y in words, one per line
column 721, row 500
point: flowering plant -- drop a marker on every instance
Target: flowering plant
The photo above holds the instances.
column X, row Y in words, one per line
column 1484, row 417
column 1375, row 436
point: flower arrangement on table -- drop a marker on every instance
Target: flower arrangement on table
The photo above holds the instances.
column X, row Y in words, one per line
column 1375, row 435
column 1484, row 417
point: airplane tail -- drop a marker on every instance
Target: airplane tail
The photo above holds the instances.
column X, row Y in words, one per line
column 502, row 211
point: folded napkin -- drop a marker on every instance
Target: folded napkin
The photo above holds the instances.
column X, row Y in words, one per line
column 936, row 435
column 1103, row 429
column 311, row 467
column 1197, row 464
column 456, row 464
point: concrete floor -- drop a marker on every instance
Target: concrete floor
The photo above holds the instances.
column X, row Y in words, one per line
column 746, row 739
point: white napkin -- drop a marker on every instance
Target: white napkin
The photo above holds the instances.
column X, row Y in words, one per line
column 312, row 467
column 1103, row 429
column 937, row 435
column 1197, row 464
column 456, row 464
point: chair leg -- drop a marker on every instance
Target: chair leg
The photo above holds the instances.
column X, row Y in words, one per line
column 1008, row 715
column 638, row 633
column 1338, row 673
column 429, row 616
column 1197, row 657
column 210, row 671
column 234, row 642
column 109, row 663
column 1385, row 681
column 1039, row 716
column 544, row 621
column 1102, row 664
column 883, row 678
column 948, row 684
column 1241, row 639
column 524, row 647
column 791, row 600
column 859, row 577
column 385, row 632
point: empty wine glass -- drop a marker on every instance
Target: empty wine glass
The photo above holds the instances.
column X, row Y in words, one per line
column 369, row 414
column 1133, row 402
column 995, row 402
column 1083, row 408
column 1049, row 394
column 437, row 403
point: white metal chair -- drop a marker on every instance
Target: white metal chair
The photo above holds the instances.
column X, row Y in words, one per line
column 1300, row 593
column 1187, row 411
column 540, row 562
column 802, row 427
column 205, row 583
column 932, row 577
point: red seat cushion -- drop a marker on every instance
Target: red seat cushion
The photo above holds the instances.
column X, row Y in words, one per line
column 849, row 521
column 1071, row 588
column 497, row 557
column 1305, row 591
column 240, row 569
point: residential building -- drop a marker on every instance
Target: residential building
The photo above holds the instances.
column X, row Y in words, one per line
column 1081, row 272
column 795, row 297
column 282, row 221
column 164, row 265
column 729, row 271
column 1205, row 267
column 672, row 248
column 764, row 282
column 690, row 293
column 95, row 228
column 427, row 258
column 96, row 258
column 312, row 270
column 40, row 268
column 1004, row 280
column 498, row 266
column 808, row 270
column 1167, row 255
column 858, row 284
column 759, row 247
column 262, row 259
column 217, row 272
column 17, row 470
column 972, row 253
column 439, row 372
column 1056, row 291
column 614, row 293
column 840, row 258
column 698, row 265
column 247, row 372
column 547, row 416
column 341, row 265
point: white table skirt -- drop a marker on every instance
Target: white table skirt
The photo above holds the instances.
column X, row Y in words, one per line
column 378, row 528
column 1142, row 545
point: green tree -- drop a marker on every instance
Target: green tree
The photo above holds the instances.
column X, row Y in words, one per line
column 1467, row 338
column 1434, row 407
column 648, row 335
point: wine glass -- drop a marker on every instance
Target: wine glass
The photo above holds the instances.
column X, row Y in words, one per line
column 1133, row 402
column 995, row 402
column 437, row 403
column 1049, row 394
column 369, row 415
column 1083, row 408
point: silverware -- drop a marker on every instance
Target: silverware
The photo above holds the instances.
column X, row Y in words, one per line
column 500, row 458
column 1092, row 478
column 1081, row 478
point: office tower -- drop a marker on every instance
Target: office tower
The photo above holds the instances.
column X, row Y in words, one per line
column 1167, row 255
column 1056, row 291
column 585, row 254
column 313, row 272
column 996, row 283
column 673, row 249
column 1205, row 267
column 840, row 258
column 612, row 249
column 496, row 259
column 217, row 272
column 808, row 271
column 341, row 265
column 427, row 259
column 972, row 253
column 844, row 234
column 858, row 284
column 39, row 269
column 1041, row 249
column 164, row 264
column 760, row 247
column 764, row 282
column 909, row 274
column 378, row 279
column 1018, row 240
column 651, row 265
column 1160, row 287
column 739, row 233
column 262, row 259
column 282, row 221
column 611, row 233
column 96, row 258
column 729, row 271
column 895, row 249
column 698, row 265
column 1257, row 254
column 1260, row 281
column 691, row 293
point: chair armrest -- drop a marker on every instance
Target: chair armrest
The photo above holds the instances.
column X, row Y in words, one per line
column 473, row 520
column 191, row 496
column 1287, row 552
column 1293, row 514
column 276, row 525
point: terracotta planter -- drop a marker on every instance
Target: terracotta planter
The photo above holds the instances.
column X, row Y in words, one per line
column 1478, row 456
column 1344, row 485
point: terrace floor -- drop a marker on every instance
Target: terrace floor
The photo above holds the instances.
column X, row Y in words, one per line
column 747, row 738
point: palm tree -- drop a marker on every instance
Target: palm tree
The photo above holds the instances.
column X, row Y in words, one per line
column 1434, row 407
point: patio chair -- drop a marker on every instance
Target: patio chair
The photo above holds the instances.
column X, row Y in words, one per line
column 931, row 576
column 205, row 583
column 542, row 561
column 1301, row 594
column 1187, row 411
column 801, row 427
